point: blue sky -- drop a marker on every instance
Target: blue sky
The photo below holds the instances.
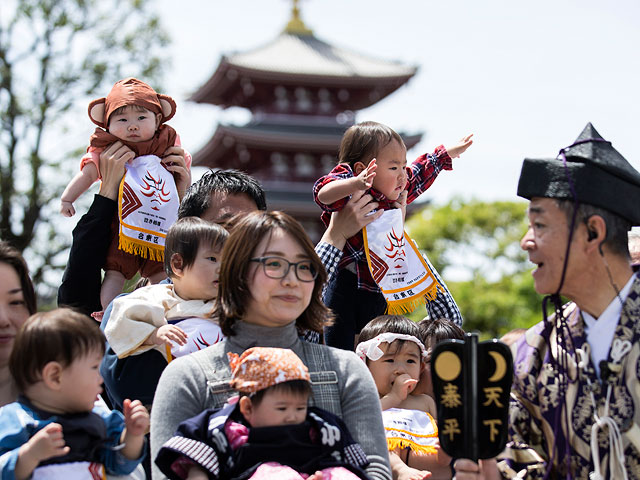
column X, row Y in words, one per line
column 524, row 77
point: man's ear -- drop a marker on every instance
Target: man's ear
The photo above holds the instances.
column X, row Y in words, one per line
column 176, row 264
column 52, row 375
column 596, row 232
column 358, row 167
column 246, row 408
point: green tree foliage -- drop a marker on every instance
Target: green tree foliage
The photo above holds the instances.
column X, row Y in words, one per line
column 56, row 55
column 479, row 242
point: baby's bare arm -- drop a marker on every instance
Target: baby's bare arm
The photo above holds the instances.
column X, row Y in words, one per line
column 339, row 189
column 77, row 186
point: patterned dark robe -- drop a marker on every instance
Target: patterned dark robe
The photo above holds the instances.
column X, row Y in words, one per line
column 535, row 402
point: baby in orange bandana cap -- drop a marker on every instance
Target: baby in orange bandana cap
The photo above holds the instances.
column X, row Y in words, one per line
column 276, row 385
column 270, row 432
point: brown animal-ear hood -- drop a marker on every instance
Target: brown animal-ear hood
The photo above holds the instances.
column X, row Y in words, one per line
column 131, row 91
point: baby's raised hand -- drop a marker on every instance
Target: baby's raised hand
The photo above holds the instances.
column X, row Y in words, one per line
column 136, row 417
column 46, row 443
column 167, row 334
column 66, row 209
column 365, row 178
column 403, row 385
column 460, row 147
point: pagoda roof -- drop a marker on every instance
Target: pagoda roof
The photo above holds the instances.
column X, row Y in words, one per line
column 302, row 60
column 266, row 136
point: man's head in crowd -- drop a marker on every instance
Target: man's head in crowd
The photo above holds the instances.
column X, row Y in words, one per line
column 582, row 205
column 221, row 194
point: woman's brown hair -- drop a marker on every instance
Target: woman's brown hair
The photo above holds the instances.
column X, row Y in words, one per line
column 234, row 293
column 11, row 256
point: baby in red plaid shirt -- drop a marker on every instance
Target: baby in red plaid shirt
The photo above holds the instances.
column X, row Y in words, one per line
column 372, row 158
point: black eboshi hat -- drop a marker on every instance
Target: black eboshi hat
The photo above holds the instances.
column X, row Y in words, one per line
column 594, row 170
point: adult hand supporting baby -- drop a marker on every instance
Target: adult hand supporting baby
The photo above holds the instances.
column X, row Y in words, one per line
column 112, row 162
column 401, row 203
column 173, row 160
column 482, row 470
column 355, row 215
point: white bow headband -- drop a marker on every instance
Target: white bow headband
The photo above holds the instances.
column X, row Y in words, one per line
column 371, row 348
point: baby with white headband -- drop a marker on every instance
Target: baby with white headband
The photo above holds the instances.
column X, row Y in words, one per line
column 390, row 346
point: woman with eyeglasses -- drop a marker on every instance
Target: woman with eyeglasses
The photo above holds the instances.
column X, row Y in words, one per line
column 270, row 289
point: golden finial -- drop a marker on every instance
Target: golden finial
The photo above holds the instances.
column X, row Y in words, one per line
column 296, row 26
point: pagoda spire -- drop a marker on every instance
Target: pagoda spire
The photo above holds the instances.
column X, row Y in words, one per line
column 296, row 26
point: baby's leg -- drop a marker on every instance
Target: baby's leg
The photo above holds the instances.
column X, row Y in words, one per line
column 401, row 470
column 438, row 464
column 111, row 287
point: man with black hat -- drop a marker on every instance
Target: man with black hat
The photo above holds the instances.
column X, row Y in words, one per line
column 575, row 409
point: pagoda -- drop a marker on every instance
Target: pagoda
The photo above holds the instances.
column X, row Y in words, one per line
column 303, row 94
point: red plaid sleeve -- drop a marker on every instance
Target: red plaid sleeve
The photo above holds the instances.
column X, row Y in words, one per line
column 340, row 172
column 424, row 170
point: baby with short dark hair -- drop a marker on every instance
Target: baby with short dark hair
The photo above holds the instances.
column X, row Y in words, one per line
column 174, row 318
column 373, row 159
column 56, row 428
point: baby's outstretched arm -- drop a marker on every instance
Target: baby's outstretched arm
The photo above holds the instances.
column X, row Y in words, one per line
column 460, row 147
column 46, row 443
column 136, row 421
column 80, row 184
column 339, row 189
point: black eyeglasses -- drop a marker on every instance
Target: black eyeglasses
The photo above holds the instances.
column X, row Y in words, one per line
column 277, row 267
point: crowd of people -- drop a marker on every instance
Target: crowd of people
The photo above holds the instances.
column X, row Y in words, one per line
column 255, row 354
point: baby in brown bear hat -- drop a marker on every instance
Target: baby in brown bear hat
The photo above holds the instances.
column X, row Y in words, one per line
column 131, row 128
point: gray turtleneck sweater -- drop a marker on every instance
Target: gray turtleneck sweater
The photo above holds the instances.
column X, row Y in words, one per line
column 340, row 380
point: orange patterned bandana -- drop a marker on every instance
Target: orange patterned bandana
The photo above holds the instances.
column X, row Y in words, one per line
column 261, row 367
